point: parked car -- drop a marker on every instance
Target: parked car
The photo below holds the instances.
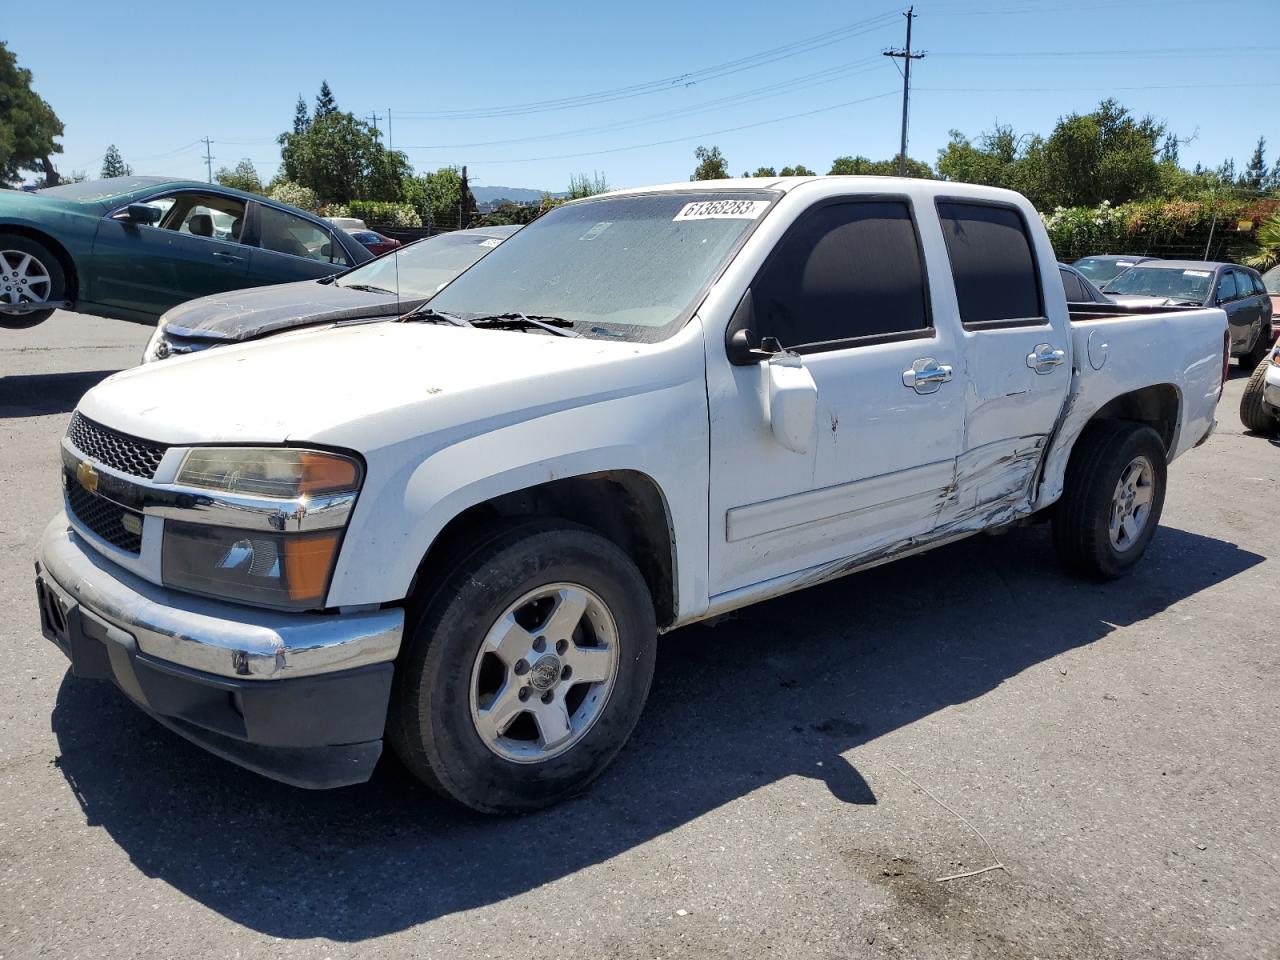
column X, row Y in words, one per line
column 1078, row 287
column 462, row 531
column 1260, row 403
column 132, row 247
column 1105, row 267
column 378, row 289
column 1237, row 290
column 1271, row 282
column 375, row 242
column 347, row 223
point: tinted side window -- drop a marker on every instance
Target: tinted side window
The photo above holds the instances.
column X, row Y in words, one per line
column 844, row 270
column 992, row 263
column 285, row 233
column 1257, row 284
column 1227, row 287
column 1073, row 288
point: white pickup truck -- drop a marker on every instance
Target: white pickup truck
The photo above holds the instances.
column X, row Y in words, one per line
column 461, row 531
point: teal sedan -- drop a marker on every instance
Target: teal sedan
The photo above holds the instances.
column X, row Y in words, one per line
column 132, row 247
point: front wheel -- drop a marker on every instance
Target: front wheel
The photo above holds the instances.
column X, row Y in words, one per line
column 29, row 275
column 1112, row 499
column 1261, row 348
column 1254, row 414
column 527, row 669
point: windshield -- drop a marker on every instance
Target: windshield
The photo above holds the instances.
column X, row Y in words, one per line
column 99, row 189
column 1173, row 283
column 630, row 266
column 1271, row 280
column 1100, row 271
column 419, row 270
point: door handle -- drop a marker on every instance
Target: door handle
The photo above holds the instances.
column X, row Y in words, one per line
column 1045, row 357
column 926, row 375
column 229, row 257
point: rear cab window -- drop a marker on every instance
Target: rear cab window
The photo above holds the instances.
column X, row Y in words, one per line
column 993, row 265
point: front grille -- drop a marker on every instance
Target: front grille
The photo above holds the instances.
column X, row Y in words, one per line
column 104, row 517
column 119, row 451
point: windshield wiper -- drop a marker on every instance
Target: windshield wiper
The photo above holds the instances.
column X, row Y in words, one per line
column 367, row 288
column 431, row 315
column 515, row 321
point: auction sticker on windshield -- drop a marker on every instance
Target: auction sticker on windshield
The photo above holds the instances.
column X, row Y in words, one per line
column 722, row 210
column 1197, row 273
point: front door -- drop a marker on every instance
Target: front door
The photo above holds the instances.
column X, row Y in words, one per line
column 192, row 251
column 845, row 288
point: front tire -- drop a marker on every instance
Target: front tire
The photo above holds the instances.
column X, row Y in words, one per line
column 1261, row 348
column 526, row 670
column 29, row 273
column 1112, row 499
column 1253, row 412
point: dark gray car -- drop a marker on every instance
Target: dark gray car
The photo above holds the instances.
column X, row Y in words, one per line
column 1078, row 287
column 1107, row 266
column 391, row 285
column 1237, row 290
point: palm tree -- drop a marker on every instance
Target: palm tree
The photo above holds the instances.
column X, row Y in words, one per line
column 1268, row 240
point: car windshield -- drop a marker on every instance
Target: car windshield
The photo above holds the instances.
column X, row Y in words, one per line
column 1271, row 280
column 1174, row 283
column 98, row 189
column 626, row 266
column 1099, row 270
column 418, row 270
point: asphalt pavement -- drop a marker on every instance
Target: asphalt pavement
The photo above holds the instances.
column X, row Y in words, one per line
column 802, row 777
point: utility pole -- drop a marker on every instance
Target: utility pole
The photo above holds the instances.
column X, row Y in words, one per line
column 375, row 118
column 208, row 158
column 389, row 146
column 906, row 56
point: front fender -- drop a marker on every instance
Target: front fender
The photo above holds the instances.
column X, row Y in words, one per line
column 660, row 434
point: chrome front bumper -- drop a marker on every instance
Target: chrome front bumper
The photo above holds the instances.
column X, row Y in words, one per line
column 223, row 639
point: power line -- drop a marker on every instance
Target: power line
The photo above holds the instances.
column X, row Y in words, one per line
column 906, row 56
column 688, row 79
column 1132, row 54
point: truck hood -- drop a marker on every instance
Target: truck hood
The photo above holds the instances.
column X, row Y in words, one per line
column 245, row 314
column 366, row 386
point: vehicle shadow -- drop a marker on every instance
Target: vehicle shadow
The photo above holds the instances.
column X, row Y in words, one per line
column 788, row 685
column 41, row 394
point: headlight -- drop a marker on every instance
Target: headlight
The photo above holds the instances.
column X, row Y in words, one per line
column 157, row 347
column 1275, row 357
column 259, row 559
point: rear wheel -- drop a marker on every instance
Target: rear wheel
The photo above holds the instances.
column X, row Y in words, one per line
column 527, row 669
column 1254, row 414
column 1112, row 499
column 29, row 275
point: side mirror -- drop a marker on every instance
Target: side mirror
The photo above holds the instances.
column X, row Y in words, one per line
column 742, row 346
column 793, row 401
column 142, row 213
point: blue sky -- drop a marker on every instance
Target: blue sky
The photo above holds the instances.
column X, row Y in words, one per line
column 170, row 73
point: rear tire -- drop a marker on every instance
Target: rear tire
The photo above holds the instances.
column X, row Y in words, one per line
column 1253, row 412
column 25, row 280
column 489, row 669
column 1112, row 499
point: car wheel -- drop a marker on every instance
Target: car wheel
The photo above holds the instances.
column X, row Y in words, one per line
column 29, row 273
column 1112, row 499
column 1254, row 414
column 526, row 670
column 1261, row 349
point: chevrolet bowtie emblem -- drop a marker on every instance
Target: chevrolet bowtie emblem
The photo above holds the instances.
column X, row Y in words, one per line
column 87, row 476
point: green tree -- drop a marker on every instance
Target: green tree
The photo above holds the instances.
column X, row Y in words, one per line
column 301, row 119
column 113, row 164
column 243, row 177
column 442, row 198
column 28, row 125
column 762, row 172
column 1256, row 176
column 1104, row 155
column 799, row 170
column 862, row 166
column 1268, row 240
column 341, row 160
column 581, row 185
column 325, row 103
column 711, row 164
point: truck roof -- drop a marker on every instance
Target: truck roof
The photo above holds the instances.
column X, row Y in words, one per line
column 860, row 183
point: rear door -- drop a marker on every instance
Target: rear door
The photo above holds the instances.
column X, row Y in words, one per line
column 194, row 250
column 292, row 248
column 1241, row 319
column 846, row 288
column 1015, row 355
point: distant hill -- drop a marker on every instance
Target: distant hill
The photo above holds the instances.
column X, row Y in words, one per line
column 515, row 194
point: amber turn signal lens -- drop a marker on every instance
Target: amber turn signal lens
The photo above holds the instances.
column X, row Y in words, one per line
column 308, row 561
column 326, row 473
